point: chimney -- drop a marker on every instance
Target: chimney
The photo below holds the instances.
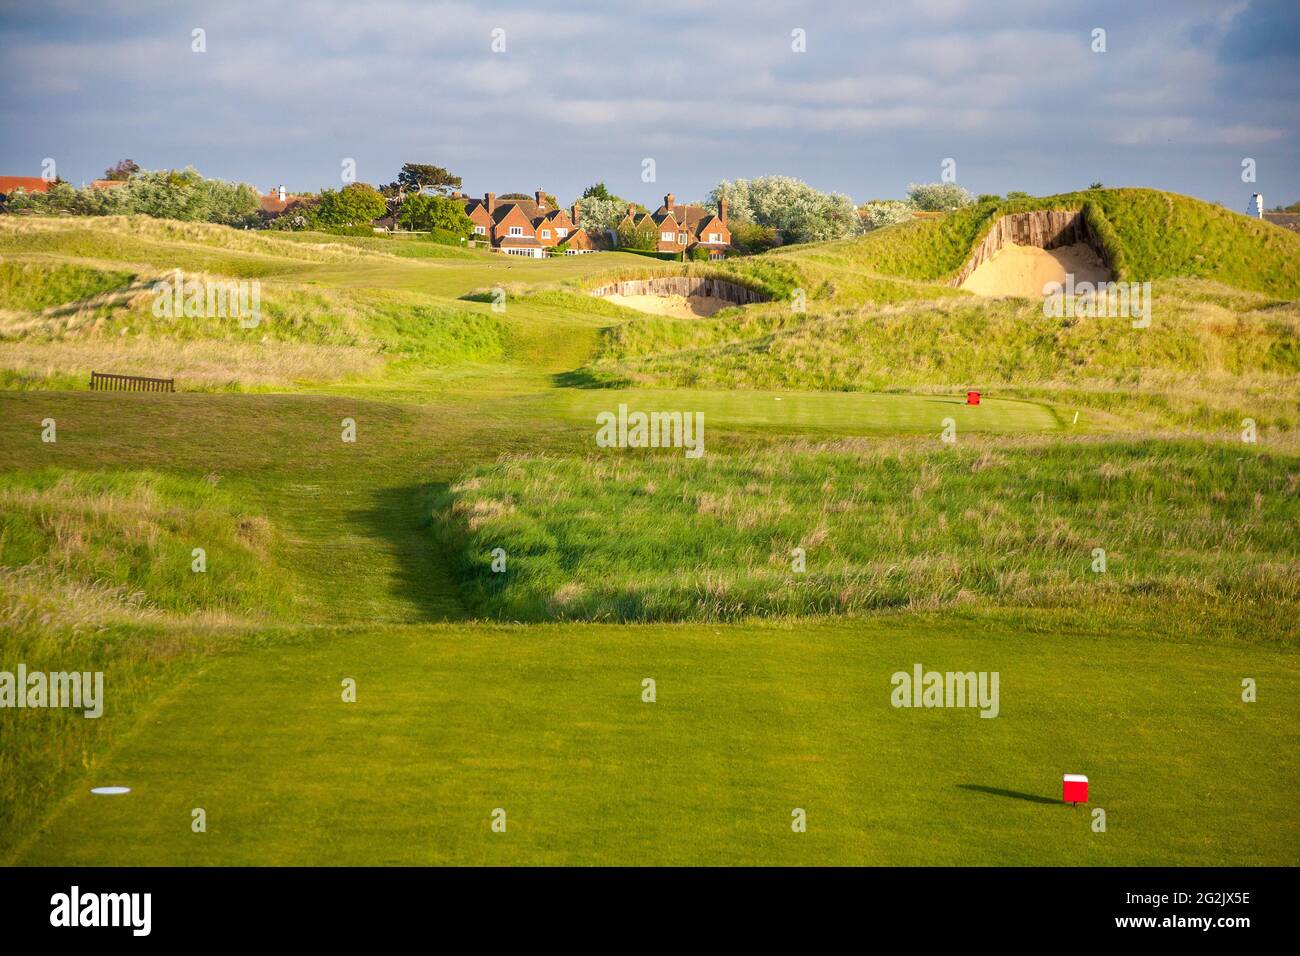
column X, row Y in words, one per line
column 576, row 210
column 722, row 211
column 541, row 199
column 279, row 191
column 457, row 195
column 631, row 210
column 668, row 201
column 490, row 200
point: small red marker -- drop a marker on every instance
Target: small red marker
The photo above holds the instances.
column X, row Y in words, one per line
column 1074, row 788
column 972, row 398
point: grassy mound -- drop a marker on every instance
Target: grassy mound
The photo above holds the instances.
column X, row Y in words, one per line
column 1156, row 235
column 127, row 538
column 882, row 525
column 37, row 285
column 64, row 312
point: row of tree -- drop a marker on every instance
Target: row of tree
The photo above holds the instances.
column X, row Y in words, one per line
column 762, row 213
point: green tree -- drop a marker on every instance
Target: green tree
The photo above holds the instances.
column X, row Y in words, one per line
column 122, row 170
column 644, row 235
column 418, row 177
column 436, row 213
column 598, row 191
column 356, row 204
column 164, row 194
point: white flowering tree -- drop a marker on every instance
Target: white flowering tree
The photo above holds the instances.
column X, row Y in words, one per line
column 796, row 210
column 938, row 197
column 885, row 212
column 600, row 215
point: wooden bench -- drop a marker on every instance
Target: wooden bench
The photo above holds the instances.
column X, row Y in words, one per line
column 108, row 382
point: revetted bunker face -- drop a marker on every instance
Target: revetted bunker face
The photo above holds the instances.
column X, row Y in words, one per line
column 1068, row 247
column 681, row 296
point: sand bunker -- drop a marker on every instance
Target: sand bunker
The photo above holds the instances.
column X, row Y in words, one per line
column 677, row 306
column 1024, row 270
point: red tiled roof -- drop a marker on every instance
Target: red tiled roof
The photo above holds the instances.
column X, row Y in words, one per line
column 107, row 183
column 33, row 184
column 272, row 202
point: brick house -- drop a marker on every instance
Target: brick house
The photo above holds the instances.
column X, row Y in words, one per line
column 526, row 227
column 680, row 227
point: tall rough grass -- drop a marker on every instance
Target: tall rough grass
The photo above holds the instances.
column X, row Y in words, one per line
column 95, row 575
column 633, row 536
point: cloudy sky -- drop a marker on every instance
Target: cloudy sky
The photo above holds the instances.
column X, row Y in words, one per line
column 584, row 91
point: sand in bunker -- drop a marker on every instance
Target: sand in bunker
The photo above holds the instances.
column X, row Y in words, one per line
column 1024, row 270
column 677, row 306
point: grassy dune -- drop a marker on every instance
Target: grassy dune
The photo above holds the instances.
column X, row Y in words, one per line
column 1160, row 235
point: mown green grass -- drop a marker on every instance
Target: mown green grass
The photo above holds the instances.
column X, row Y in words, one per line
column 750, row 722
column 813, row 413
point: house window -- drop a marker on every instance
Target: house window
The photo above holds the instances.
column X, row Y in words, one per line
column 666, row 237
column 546, row 233
column 516, row 230
column 715, row 237
column 480, row 230
column 681, row 238
column 561, row 232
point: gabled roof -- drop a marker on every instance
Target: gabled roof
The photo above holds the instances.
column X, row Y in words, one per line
column 686, row 214
column 33, row 184
column 526, row 208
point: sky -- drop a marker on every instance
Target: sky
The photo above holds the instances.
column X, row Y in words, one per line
column 556, row 95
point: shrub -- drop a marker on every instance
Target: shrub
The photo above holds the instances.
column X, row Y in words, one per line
column 938, row 197
column 163, row 194
column 749, row 238
column 357, row 204
column 436, row 214
column 884, row 212
column 643, row 236
column 797, row 211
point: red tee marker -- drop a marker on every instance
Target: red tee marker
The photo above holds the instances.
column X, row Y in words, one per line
column 1074, row 788
column 972, row 398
